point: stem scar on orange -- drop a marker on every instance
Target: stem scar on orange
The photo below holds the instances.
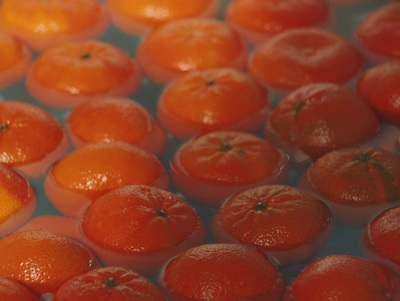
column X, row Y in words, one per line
column 141, row 227
column 22, row 125
column 68, row 75
column 86, row 173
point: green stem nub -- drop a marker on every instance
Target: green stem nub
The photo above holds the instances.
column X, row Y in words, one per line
column 162, row 213
column 86, row 56
column 364, row 157
column 4, row 127
column 111, row 282
column 260, row 206
column 225, row 147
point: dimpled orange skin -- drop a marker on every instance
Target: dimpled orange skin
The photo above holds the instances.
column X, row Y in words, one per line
column 13, row 290
column 68, row 75
column 140, row 17
column 44, row 24
column 186, row 45
column 213, row 99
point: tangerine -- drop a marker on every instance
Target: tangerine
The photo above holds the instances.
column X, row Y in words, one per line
column 13, row 290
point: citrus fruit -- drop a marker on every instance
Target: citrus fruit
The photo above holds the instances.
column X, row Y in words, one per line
column 303, row 56
column 140, row 17
column 13, row 290
column 109, row 284
column 42, row 260
column 356, row 183
column 15, row 59
column 141, row 227
column 379, row 240
column 215, row 99
column 288, row 225
column 379, row 87
column 258, row 21
column 191, row 44
column 212, row 167
column 67, row 75
column 86, row 173
column 221, row 272
column 44, row 24
column 22, row 125
column 110, row 119
column 320, row 117
column 345, row 278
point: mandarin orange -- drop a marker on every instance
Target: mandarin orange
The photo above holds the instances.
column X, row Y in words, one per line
column 13, row 290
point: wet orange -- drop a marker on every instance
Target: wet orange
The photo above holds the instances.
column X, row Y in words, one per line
column 13, row 290
column 43, row 24
column 94, row 169
column 215, row 99
column 68, row 75
column 22, row 125
column 42, row 260
column 185, row 45
column 141, row 227
column 110, row 119
column 141, row 16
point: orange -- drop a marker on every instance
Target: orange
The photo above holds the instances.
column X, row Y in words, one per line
column 141, row 227
column 221, row 272
column 94, row 169
column 42, row 260
column 185, row 45
column 286, row 224
column 15, row 59
column 111, row 119
column 141, row 16
column 257, row 21
column 17, row 199
column 22, row 125
column 109, row 284
column 43, row 24
column 213, row 99
column 212, row 167
column 67, row 75
column 13, row 290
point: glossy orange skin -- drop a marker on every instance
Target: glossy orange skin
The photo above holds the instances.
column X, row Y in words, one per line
column 257, row 21
column 45, row 24
column 68, row 75
column 141, row 227
column 221, row 272
column 215, row 99
column 109, row 284
column 379, row 86
column 212, row 167
column 303, row 56
column 140, row 17
column 357, row 183
column 318, row 118
column 286, row 224
column 192, row 44
column 380, row 239
column 345, row 278
column 13, row 290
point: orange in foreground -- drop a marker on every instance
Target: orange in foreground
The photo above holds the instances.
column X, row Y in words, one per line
column 109, row 284
column 186, row 45
column 67, row 75
column 215, row 99
column 139, row 17
column 110, row 119
column 141, row 227
column 13, row 290
column 42, row 260
column 221, row 272
column 17, row 199
column 22, row 125
column 15, row 59
column 94, row 169
column 43, row 24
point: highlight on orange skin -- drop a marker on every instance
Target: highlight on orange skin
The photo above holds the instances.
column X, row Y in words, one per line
column 22, row 125
column 85, row 174
column 44, row 24
column 66, row 76
column 139, row 17
column 17, row 199
column 15, row 59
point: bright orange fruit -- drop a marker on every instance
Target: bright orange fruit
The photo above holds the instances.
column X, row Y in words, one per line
column 94, row 169
column 13, row 290
column 67, row 75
